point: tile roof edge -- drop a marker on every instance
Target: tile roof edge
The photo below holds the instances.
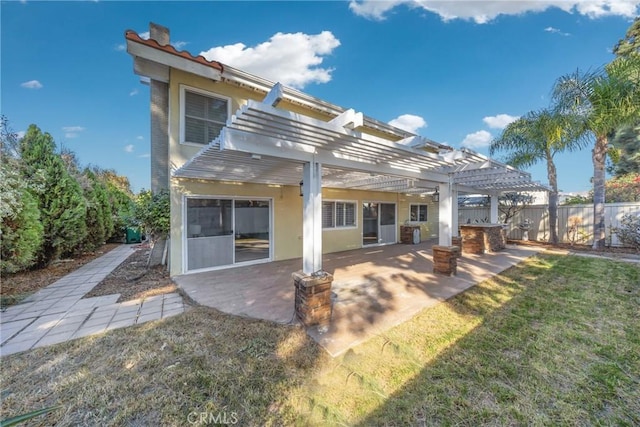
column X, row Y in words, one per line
column 133, row 36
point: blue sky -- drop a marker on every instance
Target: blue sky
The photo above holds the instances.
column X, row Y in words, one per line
column 462, row 70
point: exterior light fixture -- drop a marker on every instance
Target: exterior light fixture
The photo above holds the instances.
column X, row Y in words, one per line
column 436, row 196
column 301, row 187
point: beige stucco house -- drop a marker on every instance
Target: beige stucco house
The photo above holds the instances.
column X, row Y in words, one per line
column 259, row 172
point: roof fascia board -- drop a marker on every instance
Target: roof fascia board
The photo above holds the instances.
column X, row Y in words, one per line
column 169, row 59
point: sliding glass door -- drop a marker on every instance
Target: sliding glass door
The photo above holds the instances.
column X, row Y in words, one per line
column 224, row 232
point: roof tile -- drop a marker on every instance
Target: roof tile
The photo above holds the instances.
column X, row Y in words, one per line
column 133, row 36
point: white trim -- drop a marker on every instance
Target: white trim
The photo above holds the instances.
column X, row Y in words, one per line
column 183, row 226
column 184, row 88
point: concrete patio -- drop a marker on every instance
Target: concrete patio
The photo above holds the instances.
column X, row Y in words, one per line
column 375, row 288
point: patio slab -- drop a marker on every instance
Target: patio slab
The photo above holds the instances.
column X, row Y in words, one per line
column 374, row 288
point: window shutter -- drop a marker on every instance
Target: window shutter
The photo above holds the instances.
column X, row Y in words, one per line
column 328, row 215
column 340, row 215
column 350, row 214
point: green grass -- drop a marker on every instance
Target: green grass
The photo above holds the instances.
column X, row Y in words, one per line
column 552, row 341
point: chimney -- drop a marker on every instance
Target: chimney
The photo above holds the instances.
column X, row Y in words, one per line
column 159, row 33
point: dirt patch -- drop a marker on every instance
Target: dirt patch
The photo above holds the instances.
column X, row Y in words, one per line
column 609, row 250
column 16, row 287
column 132, row 279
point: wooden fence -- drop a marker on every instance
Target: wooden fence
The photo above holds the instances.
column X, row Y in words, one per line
column 575, row 222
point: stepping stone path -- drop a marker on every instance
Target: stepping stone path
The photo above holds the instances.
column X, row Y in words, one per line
column 58, row 312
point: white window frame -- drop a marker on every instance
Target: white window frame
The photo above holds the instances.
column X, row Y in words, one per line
column 183, row 90
column 342, row 227
column 426, row 208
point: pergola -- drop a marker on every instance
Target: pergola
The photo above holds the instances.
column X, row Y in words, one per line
column 264, row 144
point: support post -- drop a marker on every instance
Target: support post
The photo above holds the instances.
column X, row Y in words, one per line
column 445, row 213
column 454, row 211
column 493, row 212
column 312, row 217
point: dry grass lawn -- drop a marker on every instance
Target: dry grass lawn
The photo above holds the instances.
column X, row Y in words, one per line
column 553, row 341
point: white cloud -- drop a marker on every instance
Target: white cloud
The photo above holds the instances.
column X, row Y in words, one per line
column 20, row 134
column 291, row 59
column 408, row 122
column 32, row 84
column 73, row 128
column 500, row 121
column 179, row 44
column 139, row 137
column 120, row 47
column 482, row 12
column 373, row 9
column 479, row 139
column 145, row 35
column 144, row 156
column 553, row 30
column 128, row 148
column 134, row 92
column 72, row 131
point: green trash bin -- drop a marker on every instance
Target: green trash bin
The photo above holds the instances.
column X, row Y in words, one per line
column 133, row 235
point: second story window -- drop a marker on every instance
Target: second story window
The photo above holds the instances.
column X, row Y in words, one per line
column 203, row 116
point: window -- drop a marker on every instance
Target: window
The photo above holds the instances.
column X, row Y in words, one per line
column 338, row 214
column 203, row 116
column 419, row 213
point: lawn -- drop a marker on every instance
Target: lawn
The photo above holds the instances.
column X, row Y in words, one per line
column 552, row 341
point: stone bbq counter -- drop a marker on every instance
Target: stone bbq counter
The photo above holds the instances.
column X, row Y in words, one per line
column 481, row 238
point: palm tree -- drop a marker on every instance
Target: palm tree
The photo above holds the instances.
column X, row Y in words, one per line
column 605, row 100
column 539, row 136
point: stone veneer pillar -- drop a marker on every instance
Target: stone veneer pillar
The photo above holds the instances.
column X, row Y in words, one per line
column 313, row 298
column 445, row 259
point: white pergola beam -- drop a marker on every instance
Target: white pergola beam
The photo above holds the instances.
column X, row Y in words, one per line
column 274, row 96
column 349, row 119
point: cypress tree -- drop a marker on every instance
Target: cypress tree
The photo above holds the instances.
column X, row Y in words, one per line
column 99, row 212
column 62, row 206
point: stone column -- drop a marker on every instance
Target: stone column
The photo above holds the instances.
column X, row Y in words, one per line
column 445, row 259
column 313, row 298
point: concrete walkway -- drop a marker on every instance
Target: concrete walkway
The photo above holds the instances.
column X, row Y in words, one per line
column 58, row 312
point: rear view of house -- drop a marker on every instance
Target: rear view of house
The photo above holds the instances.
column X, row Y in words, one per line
column 259, row 172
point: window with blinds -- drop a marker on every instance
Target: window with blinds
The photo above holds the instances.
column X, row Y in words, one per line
column 419, row 213
column 338, row 214
column 204, row 116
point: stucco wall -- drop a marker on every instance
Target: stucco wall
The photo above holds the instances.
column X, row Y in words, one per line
column 286, row 201
column 287, row 215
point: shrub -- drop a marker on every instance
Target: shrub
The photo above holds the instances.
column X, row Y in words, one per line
column 21, row 231
column 629, row 231
column 152, row 211
column 99, row 212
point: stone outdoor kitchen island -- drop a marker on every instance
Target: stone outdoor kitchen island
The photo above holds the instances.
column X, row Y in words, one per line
column 481, row 238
